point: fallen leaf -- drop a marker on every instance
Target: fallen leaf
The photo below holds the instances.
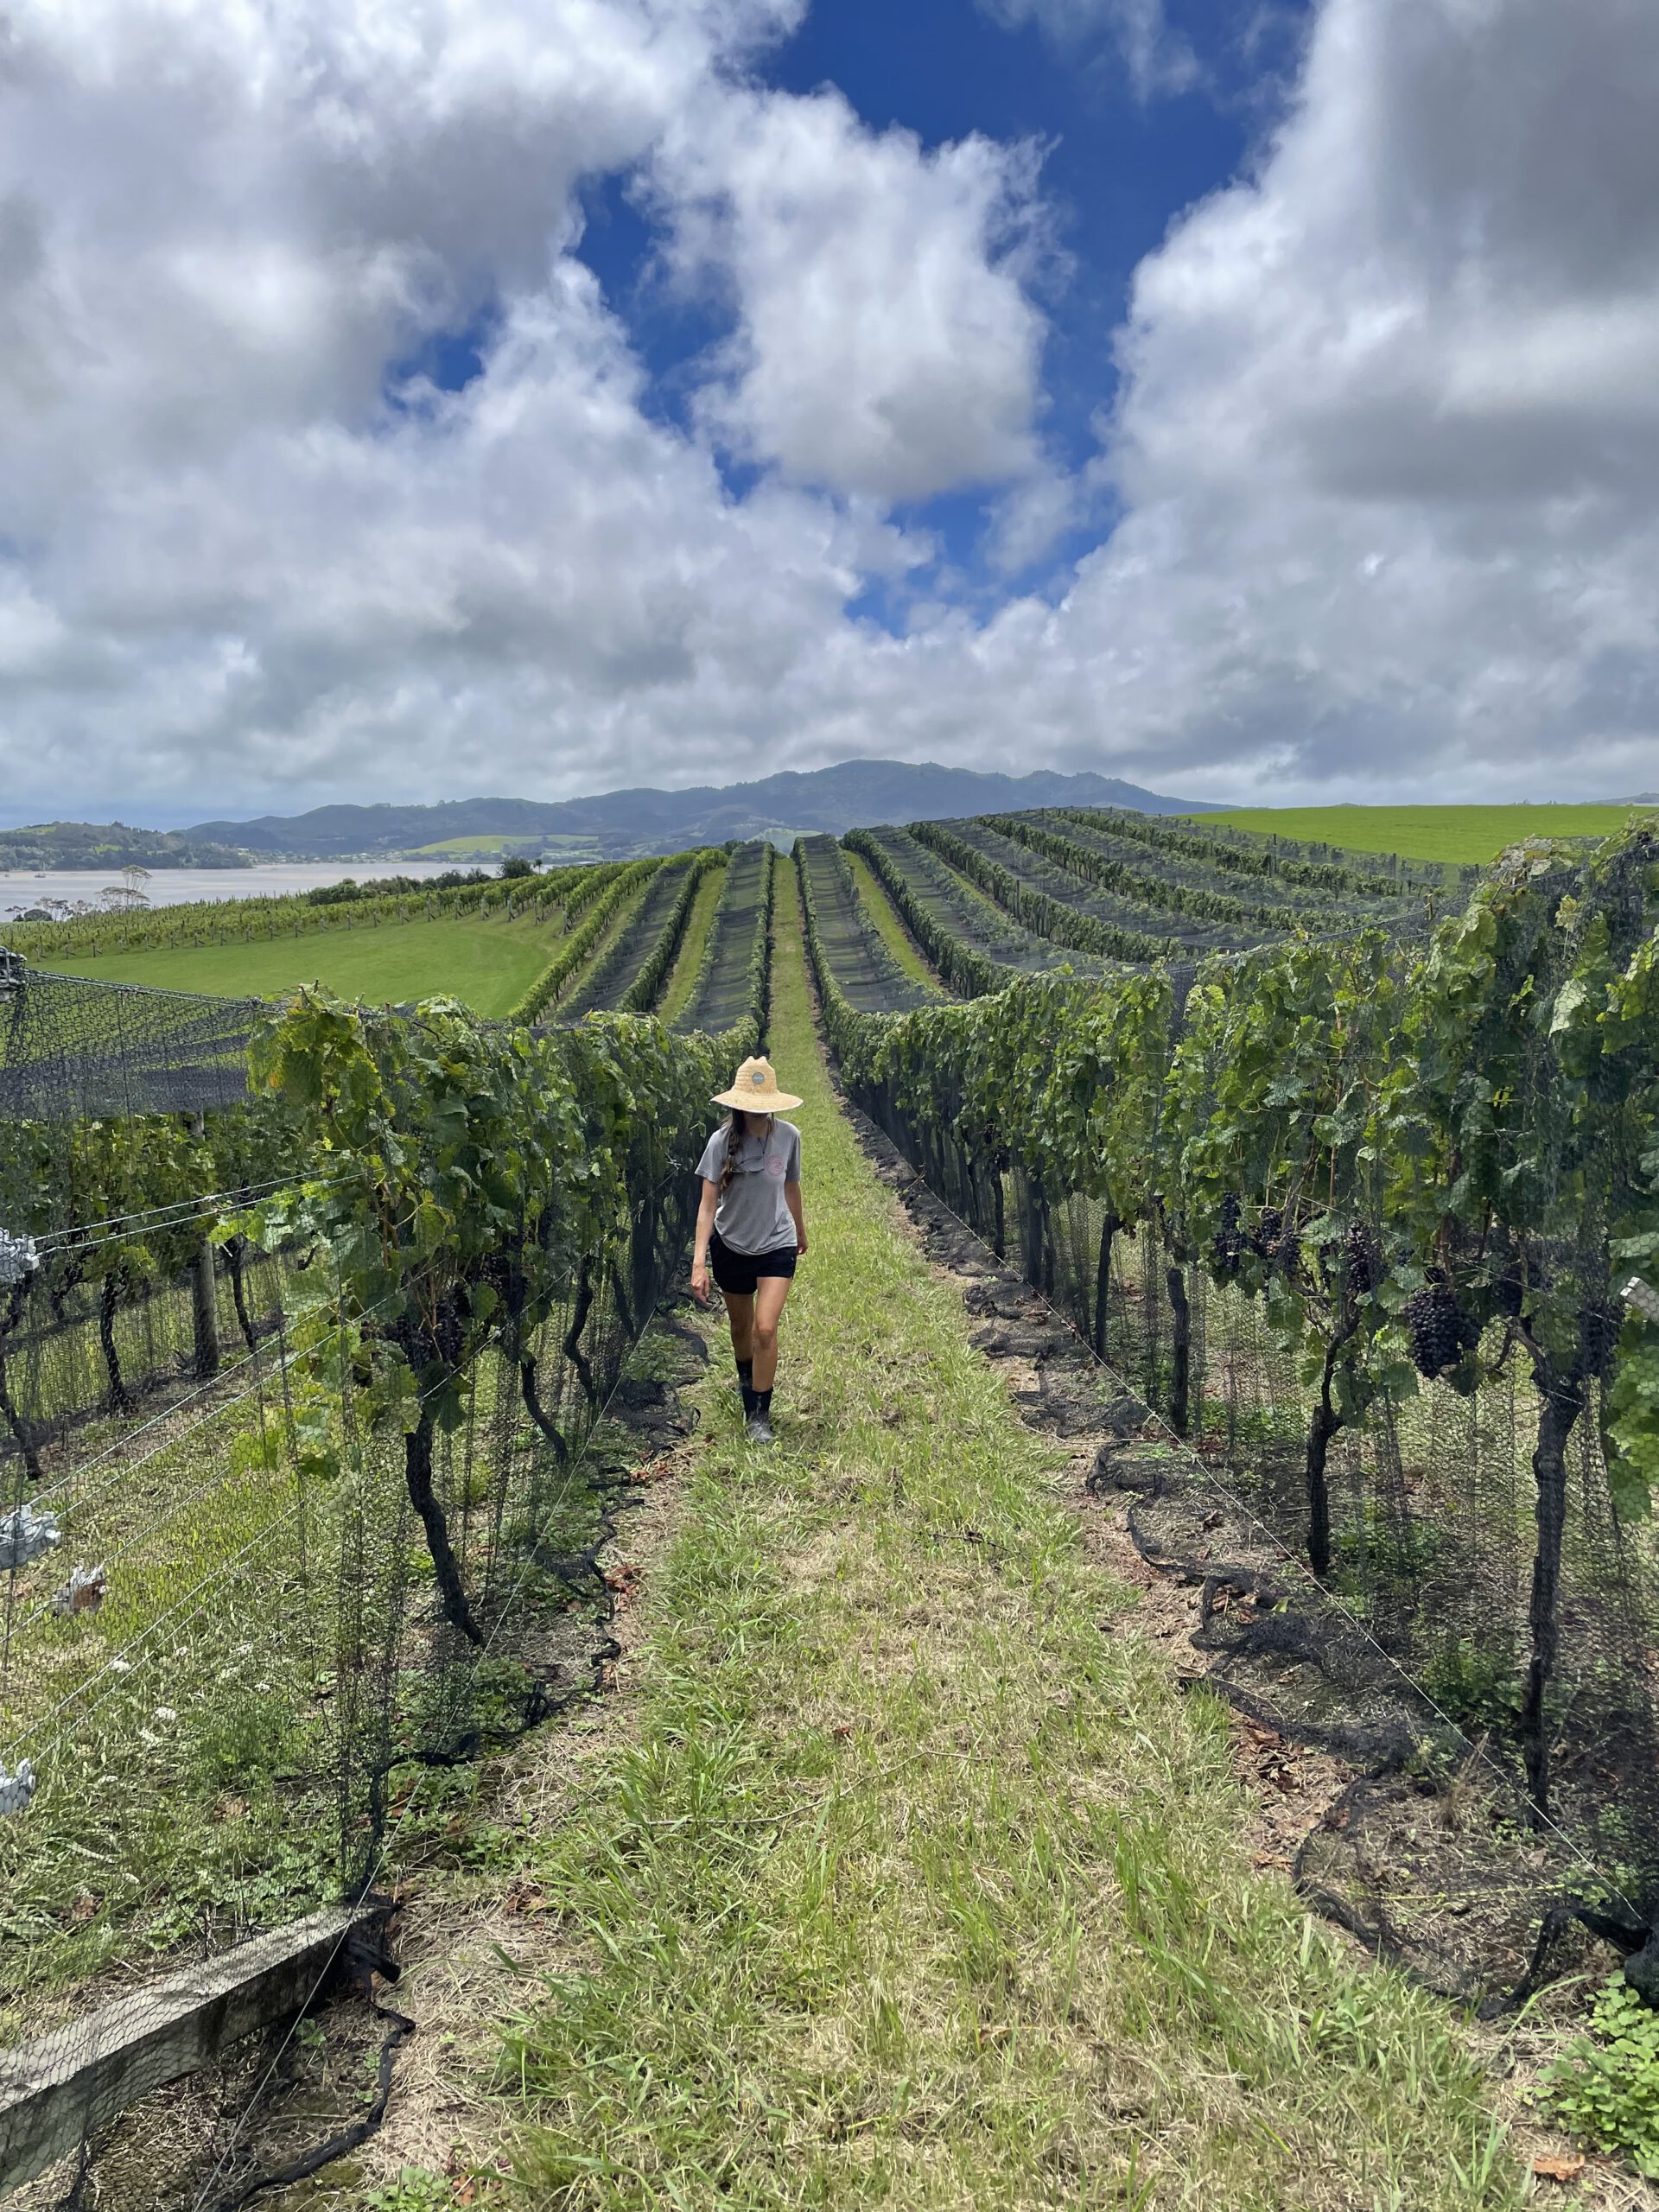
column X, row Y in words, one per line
column 1548, row 2167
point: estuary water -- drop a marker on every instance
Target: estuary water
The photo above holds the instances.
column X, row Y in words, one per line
column 22, row 888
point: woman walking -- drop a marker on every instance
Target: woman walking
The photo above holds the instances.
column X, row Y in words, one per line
column 751, row 1229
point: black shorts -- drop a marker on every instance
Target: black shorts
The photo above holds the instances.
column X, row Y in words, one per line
column 739, row 1272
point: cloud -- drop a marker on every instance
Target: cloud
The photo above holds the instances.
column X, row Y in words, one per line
column 1158, row 59
column 886, row 347
column 1387, row 443
column 1380, row 473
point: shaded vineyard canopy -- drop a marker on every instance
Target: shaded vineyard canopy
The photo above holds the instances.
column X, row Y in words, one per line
column 76, row 1049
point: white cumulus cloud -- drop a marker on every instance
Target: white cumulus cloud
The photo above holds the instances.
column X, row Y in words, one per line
column 1379, row 471
column 886, row 345
column 1386, row 441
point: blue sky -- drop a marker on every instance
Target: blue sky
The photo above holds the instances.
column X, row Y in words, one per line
column 422, row 397
column 1119, row 162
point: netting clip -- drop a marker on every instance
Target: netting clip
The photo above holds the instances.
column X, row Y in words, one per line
column 27, row 1536
column 84, row 1592
column 19, row 1257
column 16, row 1789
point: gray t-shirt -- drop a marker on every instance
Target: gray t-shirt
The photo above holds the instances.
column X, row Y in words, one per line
column 751, row 1216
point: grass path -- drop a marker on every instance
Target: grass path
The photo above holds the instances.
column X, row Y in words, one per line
column 889, row 925
column 688, row 964
column 918, row 1884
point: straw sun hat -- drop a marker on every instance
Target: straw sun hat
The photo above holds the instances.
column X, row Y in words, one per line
column 754, row 1091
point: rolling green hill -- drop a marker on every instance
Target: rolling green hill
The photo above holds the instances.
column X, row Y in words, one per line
column 1427, row 832
column 112, row 845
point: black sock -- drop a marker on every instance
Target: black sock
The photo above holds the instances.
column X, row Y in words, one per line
column 746, row 1373
column 763, row 1404
column 751, row 1397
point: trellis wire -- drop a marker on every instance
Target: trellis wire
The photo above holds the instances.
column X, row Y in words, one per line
column 255, row 1645
column 72, row 1048
column 1409, row 1661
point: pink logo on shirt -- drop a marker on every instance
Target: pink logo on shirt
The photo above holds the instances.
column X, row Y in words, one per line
column 776, row 1165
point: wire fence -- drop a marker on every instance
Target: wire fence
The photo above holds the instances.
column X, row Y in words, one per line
column 72, row 1049
column 1408, row 1658
column 248, row 1597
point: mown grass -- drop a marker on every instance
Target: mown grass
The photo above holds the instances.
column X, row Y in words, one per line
column 688, row 965
column 1475, row 834
column 888, row 925
column 920, row 1886
column 487, row 964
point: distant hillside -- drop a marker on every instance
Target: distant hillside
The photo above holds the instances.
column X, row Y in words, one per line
column 112, row 845
column 857, row 794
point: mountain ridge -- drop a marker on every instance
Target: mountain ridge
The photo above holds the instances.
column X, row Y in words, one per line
column 852, row 794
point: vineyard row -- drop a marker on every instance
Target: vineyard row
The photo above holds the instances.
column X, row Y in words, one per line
column 1423, row 1163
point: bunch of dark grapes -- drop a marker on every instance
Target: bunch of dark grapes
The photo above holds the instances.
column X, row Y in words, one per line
column 1226, row 1245
column 1269, row 1232
column 1507, row 1293
column 1362, row 1257
column 1439, row 1331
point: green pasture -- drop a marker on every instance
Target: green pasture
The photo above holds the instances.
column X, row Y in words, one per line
column 488, row 964
column 1476, row 833
column 486, row 845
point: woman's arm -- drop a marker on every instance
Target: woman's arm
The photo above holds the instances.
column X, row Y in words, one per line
column 793, row 1200
column 706, row 1206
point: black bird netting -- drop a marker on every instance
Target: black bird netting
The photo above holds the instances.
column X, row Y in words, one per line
column 288, row 1535
column 866, row 971
column 957, row 910
column 725, row 989
column 1344, row 1233
column 1070, row 888
column 75, row 1049
column 612, row 975
column 1203, row 849
column 1408, row 1657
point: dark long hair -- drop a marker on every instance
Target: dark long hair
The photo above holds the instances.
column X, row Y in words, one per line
column 734, row 1144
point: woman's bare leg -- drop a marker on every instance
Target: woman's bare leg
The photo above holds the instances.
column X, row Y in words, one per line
column 740, row 1313
column 770, row 1294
